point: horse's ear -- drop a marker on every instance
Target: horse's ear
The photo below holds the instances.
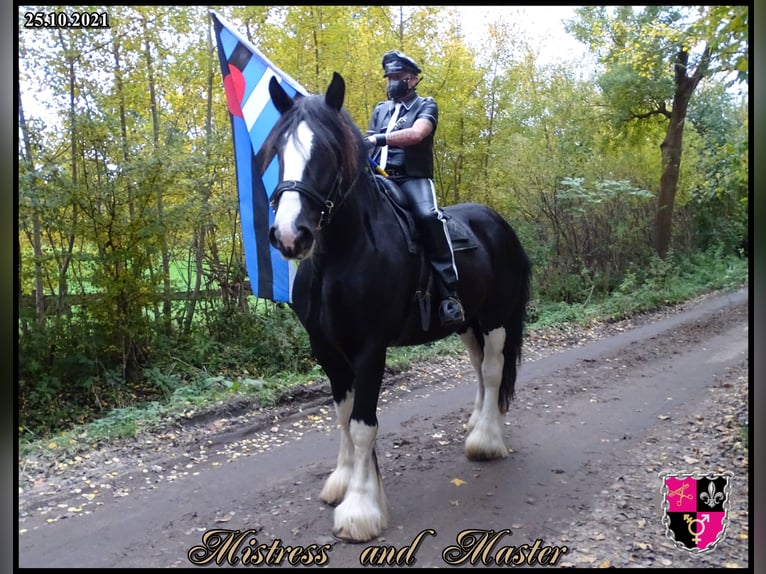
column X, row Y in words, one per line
column 279, row 96
column 336, row 92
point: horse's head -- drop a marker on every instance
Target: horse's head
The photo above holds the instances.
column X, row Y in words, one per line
column 318, row 158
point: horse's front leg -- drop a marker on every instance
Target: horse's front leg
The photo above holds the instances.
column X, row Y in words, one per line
column 341, row 379
column 363, row 515
column 337, row 483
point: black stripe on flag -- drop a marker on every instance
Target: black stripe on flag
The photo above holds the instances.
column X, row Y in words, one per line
column 261, row 225
column 240, row 57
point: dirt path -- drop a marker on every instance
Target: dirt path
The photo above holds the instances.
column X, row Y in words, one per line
column 590, row 428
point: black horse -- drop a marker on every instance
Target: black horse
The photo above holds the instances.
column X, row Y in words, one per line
column 354, row 291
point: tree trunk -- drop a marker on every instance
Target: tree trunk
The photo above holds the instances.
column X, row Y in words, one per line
column 66, row 257
column 39, row 294
column 671, row 163
column 672, row 147
column 166, row 309
column 200, row 236
column 123, row 118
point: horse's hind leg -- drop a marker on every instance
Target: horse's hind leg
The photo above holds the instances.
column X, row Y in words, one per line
column 485, row 441
column 476, row 355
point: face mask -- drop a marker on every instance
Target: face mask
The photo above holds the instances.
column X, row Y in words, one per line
column 397, row 89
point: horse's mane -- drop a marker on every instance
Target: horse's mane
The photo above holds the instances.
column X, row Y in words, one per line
column 335, row 133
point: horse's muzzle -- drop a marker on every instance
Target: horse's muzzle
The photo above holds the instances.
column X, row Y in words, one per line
column 292, row 244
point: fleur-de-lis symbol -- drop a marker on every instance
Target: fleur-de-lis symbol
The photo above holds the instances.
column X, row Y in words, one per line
column 711, row 497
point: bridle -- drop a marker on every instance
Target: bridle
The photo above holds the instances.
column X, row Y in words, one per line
column 335, row 197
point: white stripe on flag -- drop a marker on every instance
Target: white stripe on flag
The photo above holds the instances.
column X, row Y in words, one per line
column 259, row 98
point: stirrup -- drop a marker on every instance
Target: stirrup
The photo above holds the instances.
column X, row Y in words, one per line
column 451, row 312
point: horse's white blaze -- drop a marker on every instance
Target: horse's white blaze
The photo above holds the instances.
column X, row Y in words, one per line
column 337, row 483
column 295, row 157
column 476, row 355
column 485, row 441
column 362, row 515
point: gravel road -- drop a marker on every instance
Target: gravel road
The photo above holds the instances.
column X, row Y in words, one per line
column 600, row 412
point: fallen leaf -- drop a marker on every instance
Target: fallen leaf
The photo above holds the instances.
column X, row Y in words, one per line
column 457, row 481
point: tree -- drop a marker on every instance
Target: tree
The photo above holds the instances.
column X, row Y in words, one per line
column 654, row 60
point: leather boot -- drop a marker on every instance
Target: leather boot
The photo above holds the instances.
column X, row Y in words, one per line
column 439, row 250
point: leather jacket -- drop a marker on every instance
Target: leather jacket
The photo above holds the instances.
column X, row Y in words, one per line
column 416, row 160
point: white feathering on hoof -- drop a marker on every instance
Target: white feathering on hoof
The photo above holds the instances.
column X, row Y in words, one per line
column 362, row 515
column 337, row 483
column 485, row 441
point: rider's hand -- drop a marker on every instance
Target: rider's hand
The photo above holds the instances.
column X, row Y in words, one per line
column 371, row 145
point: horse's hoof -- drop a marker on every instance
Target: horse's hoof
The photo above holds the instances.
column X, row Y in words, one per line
column 485, row 450
column 346, row 536
column 335, row 487
column 484, row 455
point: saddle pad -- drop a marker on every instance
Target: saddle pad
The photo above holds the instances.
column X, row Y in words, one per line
column 462, row 238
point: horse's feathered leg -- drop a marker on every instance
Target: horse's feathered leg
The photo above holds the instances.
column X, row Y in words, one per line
column 474, row 342
column 341, row 379
column 363, row 513
column 337, row 483
column 485, row 441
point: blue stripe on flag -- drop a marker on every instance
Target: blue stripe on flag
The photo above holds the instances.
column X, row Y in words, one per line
column 271, row 276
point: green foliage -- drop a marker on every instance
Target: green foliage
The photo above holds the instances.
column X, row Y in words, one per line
column 590, row 245
column 71, row 373
column 264, row 342
column 129, row 222
column 660, row 282
column 399, row 358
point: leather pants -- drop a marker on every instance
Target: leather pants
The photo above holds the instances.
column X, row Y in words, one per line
column 432, row 225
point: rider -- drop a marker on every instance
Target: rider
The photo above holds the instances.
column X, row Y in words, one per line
column 401, row 133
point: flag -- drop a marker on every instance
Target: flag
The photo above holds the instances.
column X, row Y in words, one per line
column 246, row 74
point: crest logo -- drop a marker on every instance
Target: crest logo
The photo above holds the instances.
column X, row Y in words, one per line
column 696, row 509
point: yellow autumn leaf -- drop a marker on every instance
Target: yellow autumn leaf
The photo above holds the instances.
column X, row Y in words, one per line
column 457, row 481
column 52, row 445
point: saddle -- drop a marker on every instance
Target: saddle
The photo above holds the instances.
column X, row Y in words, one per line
column 461, row 237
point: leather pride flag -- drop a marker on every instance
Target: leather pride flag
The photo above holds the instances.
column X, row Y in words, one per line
column 246, row 74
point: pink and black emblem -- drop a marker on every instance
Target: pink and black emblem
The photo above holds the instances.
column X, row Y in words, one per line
column 696, row 509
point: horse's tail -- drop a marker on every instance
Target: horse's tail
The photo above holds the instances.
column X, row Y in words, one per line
column 521, row 272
